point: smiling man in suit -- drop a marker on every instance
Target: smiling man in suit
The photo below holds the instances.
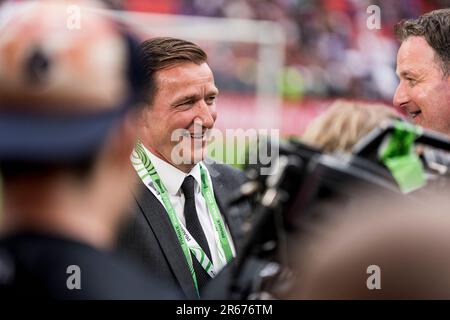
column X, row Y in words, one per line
column 423, row 66
column 183, row 229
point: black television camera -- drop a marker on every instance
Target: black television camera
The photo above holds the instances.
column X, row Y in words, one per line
column 304, row 184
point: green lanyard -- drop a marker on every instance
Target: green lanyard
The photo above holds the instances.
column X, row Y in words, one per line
column 397, row 154
column 147, row 173
column 219, row 226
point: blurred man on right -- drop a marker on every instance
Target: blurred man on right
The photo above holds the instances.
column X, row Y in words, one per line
column 423, row 66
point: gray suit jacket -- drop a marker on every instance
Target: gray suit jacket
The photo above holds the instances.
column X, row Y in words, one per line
column 150, row 240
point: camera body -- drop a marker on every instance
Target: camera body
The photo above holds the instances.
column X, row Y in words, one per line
column 304, row 186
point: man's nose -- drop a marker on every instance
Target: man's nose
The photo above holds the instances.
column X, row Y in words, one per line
column 401, row 96
column 207, row 114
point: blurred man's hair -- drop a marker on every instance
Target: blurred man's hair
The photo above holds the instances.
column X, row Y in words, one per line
column 434, row 26
column 165, row 52
column 53, row 118
column 345, row 123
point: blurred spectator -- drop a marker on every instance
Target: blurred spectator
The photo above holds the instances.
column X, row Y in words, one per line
column 387, row 249
column 68, row 100
column 345, row 123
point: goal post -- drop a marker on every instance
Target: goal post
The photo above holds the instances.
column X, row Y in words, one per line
column 268, row 37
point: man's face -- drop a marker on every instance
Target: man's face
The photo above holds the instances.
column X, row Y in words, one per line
column 184, row 99
column 423, row 92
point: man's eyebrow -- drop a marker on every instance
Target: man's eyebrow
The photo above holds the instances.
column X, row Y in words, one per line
column 194, row 97
column 213, row 92
column 406, row 73
column 189, row 97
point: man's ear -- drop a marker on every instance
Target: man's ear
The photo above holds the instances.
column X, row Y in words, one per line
column 142, row 116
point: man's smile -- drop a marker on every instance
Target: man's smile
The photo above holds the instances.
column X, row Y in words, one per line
column 414, row 114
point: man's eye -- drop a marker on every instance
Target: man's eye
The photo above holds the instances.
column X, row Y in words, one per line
column 185, row 103
column 210, row 100
column 411, row 81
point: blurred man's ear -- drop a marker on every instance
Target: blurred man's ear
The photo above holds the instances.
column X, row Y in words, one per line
column 121, row 141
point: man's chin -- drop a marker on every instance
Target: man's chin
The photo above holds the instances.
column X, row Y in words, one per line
column 189, row 158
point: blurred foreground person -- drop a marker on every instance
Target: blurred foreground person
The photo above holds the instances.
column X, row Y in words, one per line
column 67, row 100
column 345, row 123
column 378, row 250
column 423, row 66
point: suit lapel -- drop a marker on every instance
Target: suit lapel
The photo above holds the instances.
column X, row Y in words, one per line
column 159, row 222
column 221, row 193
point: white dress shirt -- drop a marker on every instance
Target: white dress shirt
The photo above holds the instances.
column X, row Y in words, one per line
column 172, row 178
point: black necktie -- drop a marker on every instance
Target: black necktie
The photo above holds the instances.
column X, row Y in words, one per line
column 195, row 229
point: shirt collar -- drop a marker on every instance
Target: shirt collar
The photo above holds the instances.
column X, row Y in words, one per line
column 172, row 177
